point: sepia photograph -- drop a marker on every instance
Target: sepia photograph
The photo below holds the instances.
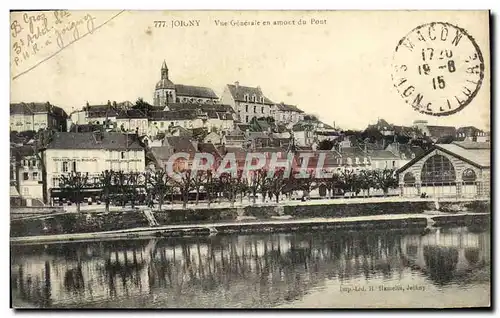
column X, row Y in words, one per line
column 250, row 159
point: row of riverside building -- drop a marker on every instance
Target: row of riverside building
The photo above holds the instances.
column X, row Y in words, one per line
column 125, row 136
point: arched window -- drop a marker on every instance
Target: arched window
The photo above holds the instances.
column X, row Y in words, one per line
column 438, row 169
column 469, row 176
column 409, row 178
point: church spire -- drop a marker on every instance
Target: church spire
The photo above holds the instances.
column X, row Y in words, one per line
column 164, row 70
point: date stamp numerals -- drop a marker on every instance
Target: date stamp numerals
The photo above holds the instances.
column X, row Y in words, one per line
column 443, row 62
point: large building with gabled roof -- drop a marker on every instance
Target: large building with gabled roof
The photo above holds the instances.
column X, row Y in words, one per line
column 459, row 169
column 248, row 102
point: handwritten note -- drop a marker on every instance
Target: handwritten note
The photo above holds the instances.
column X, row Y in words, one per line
column 38, row 36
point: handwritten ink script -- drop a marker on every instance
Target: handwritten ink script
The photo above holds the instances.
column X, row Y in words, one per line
column 38, row 36
column 34, row 33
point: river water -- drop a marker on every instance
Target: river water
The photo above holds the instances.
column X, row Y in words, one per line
column 441, row 268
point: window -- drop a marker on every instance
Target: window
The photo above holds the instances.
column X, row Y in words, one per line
column 255, row 109
column 438, row 169
column 393, row 163
column 349, row 161
column 26, row 191
column 254, row 98
column 122, row 155
column 469, row 176
column 357, row 161
column 35, row 175
column 26, row 176
column 246, row 97
column 409, row 178
column 262, row 110
column 74, row 166
column 65, row 166
column 246, row 108
column 246, row 119
column 365, row 160
column 33, row 163
column 262, row 99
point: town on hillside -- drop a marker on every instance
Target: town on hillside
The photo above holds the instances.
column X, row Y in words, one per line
column 115, row 153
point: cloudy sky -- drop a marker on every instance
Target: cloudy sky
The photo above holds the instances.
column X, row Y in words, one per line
column 339, row 70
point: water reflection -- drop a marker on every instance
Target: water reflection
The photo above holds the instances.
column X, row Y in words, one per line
column 239, row 271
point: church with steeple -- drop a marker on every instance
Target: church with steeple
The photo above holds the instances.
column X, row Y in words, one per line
column 166, row 92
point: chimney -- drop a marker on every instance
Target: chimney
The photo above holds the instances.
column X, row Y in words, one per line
column 114, row 103
column 237, row 84
column 109, row 102
column 88, row 104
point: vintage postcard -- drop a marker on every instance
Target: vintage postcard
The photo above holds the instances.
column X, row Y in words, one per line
column 250, row 159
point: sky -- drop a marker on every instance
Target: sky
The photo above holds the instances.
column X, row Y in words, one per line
column 339, row 70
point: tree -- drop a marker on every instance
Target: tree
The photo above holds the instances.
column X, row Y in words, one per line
column 333, row 183
column 159, row 186
column 133, row 183
column 326, row 144
column 366, row 181
column 143, row 106
column 229, row 186
column 42, row 139
column 350, row 181
column 241, row 185
column 277, row 183
column 121, row 187
column 258, row 183
column 74, row 184
column 385, row 179
column 307, row 184
column 211, row 186
column 372, row 133
column 106, row 183
column 199, row 180
column 185, row 183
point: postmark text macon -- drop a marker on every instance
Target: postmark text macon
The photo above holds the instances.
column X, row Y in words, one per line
column 438, row 68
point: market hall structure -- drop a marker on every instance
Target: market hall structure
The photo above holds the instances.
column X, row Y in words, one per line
column 460, row 169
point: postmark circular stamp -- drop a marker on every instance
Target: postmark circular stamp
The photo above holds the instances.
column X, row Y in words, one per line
column 438, row 68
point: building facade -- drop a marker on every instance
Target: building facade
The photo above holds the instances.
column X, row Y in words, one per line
column 91, row 154
column 36, row 116
column 287, row 114
column 247, row 102
column 26, row 174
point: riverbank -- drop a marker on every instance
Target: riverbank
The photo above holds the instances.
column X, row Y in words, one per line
column 276, row 225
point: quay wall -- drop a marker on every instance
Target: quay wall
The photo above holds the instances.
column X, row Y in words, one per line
column 89, row 222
